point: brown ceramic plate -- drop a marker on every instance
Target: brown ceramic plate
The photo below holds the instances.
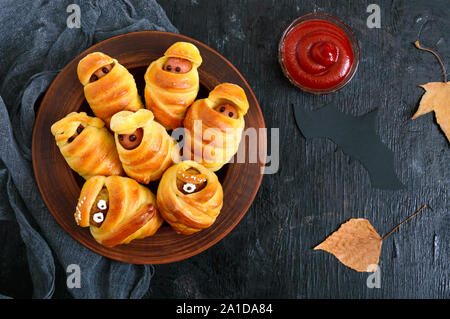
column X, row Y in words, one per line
column 60, row 186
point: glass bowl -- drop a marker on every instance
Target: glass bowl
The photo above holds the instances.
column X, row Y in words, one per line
column 351, row 36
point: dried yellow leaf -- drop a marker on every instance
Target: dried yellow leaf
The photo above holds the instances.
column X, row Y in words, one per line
column 437, row 99
column 356, row 244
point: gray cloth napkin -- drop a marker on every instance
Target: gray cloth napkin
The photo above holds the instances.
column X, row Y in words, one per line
column 35, row 43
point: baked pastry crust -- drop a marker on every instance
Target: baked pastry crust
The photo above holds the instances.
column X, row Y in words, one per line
column 168, row 95
column 132, row 212
column 93, row 151
column 212, row 138
column 156, row 152
column 114, row 92
column 189, row 213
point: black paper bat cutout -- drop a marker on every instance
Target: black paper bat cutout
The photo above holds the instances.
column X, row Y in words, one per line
column 356, row 137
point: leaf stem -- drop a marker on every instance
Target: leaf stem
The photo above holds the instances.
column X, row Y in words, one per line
column 395, row 228
column 417, row 44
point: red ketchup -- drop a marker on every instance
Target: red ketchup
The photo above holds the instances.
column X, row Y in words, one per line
column 317, row 54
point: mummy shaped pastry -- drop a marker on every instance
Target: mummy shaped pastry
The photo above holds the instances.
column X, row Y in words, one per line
column 172, row 84
column 87, row 146
column 189, row 197
column 108, row 86
column 214, row 125
column 117, row 210
column 145, row 148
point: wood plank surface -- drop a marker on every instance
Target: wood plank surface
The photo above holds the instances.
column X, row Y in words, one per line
column 317, row 187
column 269, row 254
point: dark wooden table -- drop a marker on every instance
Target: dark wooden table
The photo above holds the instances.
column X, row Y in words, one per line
column 317, row 187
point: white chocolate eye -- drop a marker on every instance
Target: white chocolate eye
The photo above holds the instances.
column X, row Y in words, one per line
column 102, row 204
column 189, row 187
column 98, row 217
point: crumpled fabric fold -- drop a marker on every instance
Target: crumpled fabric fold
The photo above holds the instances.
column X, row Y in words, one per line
column 35, row 44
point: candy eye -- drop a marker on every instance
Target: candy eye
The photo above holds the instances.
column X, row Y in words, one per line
column 102, row 204
column 189, row 187
column 101, row 72
column 98, row 217
column 177, row 65
column 228, row 110
column 133, row 140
